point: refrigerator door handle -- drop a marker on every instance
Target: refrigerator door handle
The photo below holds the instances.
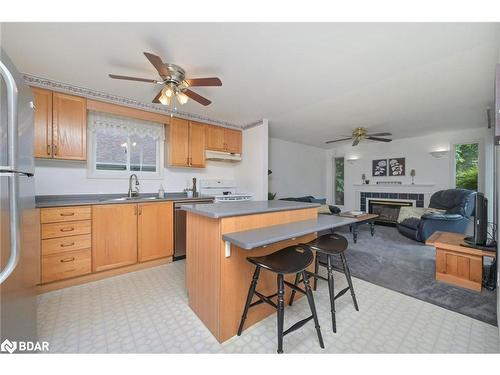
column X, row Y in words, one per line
column 15, row 225
column 12, row 130
column 12, row 134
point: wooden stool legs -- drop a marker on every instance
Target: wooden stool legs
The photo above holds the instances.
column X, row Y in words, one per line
column 331, row 291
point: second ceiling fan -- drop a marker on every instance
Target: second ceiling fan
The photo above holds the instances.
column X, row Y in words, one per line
column 176, row 85
column 360, row 133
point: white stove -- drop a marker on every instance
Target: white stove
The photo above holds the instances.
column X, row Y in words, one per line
column 223, row 190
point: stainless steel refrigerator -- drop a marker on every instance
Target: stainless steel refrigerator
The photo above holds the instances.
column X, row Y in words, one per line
column 19, row 222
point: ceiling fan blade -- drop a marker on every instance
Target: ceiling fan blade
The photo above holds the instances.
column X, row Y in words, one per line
column 379, row 134
column 197, row 97
column 157, row 97
column 114, row 76
column 356, row 141
column 212, row 81
column 379, row 139
column 339, row 140
column 158, row 64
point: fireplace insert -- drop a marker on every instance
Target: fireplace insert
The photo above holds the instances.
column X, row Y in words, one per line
column 388, row 210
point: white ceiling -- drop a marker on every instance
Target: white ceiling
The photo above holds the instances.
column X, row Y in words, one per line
column 314, row 82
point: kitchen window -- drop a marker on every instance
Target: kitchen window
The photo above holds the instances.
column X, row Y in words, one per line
column 119, row 146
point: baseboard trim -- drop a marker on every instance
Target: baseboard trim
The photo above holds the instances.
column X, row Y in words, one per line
column 44, row 288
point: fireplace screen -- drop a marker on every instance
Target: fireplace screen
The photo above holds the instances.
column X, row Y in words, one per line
column 388, row 211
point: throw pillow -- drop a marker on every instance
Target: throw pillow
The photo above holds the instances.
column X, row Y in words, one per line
column 324, row 209
column 414, row 212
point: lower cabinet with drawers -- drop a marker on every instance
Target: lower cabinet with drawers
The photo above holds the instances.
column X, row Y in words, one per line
column 66, row 242
column 82, row 240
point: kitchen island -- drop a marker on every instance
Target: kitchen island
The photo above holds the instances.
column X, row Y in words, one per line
column 221, row 236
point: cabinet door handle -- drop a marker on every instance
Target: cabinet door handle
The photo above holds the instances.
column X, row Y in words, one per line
column 70, row 229
column 55, row 149
column 67, row 244
column 48, row 149
column 140, row 210
column 67, row 214
column 67, row 260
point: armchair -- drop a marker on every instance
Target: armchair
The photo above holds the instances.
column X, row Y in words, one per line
column 458, row 206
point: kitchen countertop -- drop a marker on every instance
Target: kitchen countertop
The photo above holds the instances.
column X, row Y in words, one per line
column 42, row 201
column 228, row 209
column 250, row 239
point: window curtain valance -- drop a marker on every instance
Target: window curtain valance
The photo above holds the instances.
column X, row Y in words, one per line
column 112, row 124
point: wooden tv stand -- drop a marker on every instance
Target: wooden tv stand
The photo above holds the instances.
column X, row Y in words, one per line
column 457, row 264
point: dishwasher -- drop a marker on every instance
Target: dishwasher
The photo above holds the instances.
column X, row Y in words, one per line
column 180, row 226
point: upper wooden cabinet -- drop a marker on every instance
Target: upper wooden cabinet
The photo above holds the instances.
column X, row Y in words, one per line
column 155, row 230
column 232, row 139
column 43, row 123
column 215, row 138
column 196, row 144
column 186, row 146
column 223, row 139
column 60, row 126
column 69, row 127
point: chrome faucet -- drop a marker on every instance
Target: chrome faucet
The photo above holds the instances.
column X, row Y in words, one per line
column 133, row 192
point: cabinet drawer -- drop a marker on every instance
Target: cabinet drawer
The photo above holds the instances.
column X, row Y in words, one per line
column 66, row 244
column 61, row 214
column 73, row 228
column 63, row 266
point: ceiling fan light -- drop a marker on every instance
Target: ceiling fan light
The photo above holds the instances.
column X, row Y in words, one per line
column 182, row 98
column 168, row 91
column 163, row 99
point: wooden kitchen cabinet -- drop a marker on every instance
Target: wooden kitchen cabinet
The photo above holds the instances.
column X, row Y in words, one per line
column 155, row 230
column 215, row 138
column 43, row 123
column 114, row 235
column 196, row 144
column 223, row 139
column 69, row 127
column 232, row 139
column 60, row 125
column 186, row 146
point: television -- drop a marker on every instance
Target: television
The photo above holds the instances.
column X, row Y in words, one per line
column 480, row 237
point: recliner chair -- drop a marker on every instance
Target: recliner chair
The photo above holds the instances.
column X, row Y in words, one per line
column 459, row 207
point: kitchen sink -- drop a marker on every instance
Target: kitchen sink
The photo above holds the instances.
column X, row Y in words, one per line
column 123, row 199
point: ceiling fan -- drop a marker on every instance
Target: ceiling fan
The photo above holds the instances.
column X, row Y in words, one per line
column 176, row 86
column 360, row 133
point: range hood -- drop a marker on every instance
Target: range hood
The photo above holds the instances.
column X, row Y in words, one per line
column 222, row 156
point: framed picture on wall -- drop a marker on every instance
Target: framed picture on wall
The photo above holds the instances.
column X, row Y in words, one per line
column 397, row 167
column 379, row 168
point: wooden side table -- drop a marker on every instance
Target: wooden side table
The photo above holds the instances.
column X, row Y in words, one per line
column 457, row 264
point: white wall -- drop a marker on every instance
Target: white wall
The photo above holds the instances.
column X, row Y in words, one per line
column 298, row 169
column 66, row 177
column 429, row 170
column 251, row 172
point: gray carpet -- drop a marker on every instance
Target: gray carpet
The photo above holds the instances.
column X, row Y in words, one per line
column 393, row 261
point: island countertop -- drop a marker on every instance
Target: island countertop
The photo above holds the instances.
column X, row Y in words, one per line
column 229, row 209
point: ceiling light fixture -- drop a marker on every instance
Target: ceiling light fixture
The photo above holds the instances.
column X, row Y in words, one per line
column 170, row 94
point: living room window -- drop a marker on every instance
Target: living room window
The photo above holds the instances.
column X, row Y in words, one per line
column 467, row 166
column 339, row 181
column 120, row 146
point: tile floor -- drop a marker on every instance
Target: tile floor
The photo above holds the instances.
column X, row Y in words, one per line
column 147, row 312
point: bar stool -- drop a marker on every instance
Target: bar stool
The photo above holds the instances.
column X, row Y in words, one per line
column 327, row 246
column 292, row 259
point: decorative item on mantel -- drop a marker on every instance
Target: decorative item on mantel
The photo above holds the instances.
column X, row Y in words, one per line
column 363, row 178
column 412, row 174
column 389, row 182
